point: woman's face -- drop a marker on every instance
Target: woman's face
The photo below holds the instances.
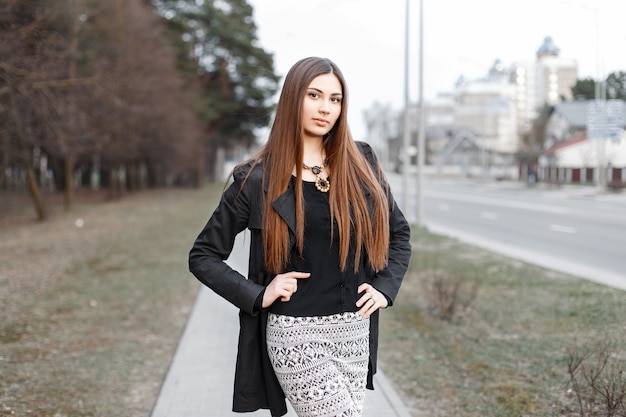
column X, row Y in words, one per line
column 321, row 105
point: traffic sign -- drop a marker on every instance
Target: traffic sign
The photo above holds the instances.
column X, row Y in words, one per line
column 605, row 119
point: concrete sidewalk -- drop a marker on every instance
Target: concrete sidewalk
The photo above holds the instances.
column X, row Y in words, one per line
column 199, row 382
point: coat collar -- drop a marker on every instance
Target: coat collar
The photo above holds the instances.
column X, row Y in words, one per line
column 285, row 206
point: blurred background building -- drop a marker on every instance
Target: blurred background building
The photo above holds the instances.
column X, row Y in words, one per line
column 517, row 120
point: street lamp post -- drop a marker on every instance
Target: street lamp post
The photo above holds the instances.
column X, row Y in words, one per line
column 405, row 158
column 421, row 140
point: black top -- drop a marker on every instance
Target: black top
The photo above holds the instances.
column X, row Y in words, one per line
column 328, row 290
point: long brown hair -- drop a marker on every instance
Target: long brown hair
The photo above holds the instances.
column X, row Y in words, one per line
column 367, row 217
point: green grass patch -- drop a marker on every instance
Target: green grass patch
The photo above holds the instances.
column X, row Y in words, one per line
column 507, row 356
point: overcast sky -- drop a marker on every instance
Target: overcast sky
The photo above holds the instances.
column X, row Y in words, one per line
column 366, row 39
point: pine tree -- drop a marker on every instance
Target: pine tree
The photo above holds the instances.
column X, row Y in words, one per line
column 234, row 77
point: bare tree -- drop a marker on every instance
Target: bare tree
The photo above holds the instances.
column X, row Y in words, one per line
column 93, row 86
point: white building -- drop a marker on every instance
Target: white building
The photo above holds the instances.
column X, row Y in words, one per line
column 486, row 108
column 570, row 157
column 484, row 119
column 546, row 81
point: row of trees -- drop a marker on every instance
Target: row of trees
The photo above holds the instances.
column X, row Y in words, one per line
column 614, row 88
column 126, row 94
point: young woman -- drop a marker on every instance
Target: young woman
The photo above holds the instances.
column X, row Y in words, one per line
column 328, row 249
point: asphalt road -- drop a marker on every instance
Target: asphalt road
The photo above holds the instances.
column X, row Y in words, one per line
column 576, row 230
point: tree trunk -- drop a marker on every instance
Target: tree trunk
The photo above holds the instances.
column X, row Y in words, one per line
column 33, row 188
column 69, row 180
column 115, row 184
column 4, row 164
column 21, row 148
column 72, row 73
column 210, row 156
column 200, row 170
column 132, row 176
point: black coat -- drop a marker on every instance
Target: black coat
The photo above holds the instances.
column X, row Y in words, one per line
column 240, row 207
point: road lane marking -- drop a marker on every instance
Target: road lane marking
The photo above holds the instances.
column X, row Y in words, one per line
column 499, row 203
column 489, row 215
column 562, row 229
column 570, row 266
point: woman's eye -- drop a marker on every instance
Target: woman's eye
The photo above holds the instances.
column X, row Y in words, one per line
column 313, row 95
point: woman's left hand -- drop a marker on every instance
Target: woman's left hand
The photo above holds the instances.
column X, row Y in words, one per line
column 370, row 301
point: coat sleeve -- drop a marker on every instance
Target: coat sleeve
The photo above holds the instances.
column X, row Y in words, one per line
column 215, row 243
column 389, row 279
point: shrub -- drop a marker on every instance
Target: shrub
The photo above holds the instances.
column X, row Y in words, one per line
column 598, row 381
column 448, row 294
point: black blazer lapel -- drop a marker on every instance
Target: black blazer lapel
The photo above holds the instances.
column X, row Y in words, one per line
column 285, row 206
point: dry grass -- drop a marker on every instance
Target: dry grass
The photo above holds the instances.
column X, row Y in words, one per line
column 508, row 355
column 91, row 315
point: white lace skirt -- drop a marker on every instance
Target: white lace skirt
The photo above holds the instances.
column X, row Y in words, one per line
column 321, row 362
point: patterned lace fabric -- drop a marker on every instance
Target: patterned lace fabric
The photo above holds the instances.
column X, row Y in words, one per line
column 321, row 362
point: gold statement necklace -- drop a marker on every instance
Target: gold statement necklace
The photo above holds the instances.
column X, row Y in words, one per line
column 322, row 184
